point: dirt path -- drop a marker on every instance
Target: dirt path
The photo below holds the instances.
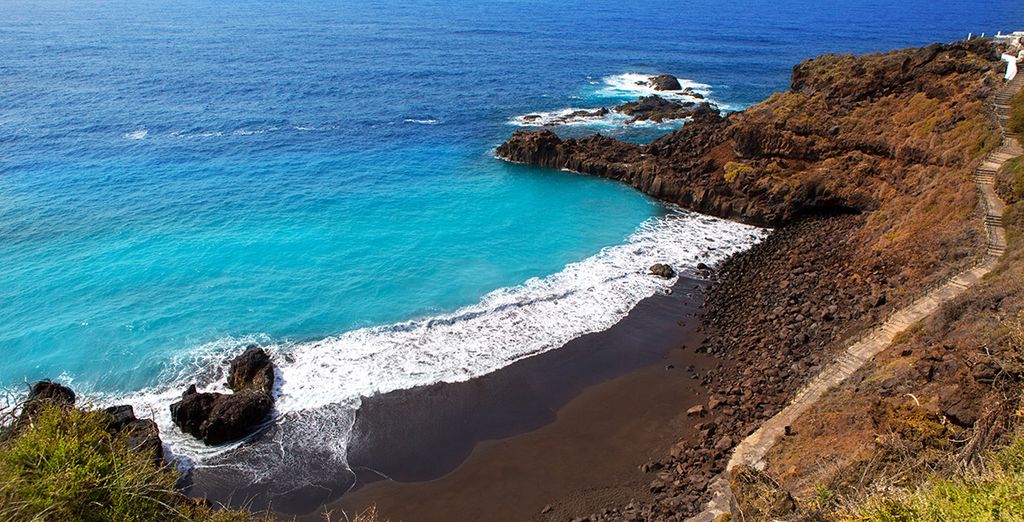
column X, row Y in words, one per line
column 752, row 450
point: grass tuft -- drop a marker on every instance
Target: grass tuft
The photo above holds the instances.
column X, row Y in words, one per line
column 65, row 465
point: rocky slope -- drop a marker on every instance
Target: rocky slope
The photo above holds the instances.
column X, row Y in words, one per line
column 864, row 165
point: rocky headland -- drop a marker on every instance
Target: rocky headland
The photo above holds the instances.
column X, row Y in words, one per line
column 864, row 167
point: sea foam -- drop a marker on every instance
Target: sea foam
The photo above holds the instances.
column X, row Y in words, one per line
column 320, row 383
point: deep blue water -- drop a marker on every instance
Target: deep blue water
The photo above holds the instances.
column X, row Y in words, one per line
column 177, row 178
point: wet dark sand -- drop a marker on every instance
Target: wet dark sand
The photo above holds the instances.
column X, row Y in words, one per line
column 568, row 428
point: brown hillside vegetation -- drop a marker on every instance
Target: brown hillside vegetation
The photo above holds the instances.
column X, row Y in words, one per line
column 865, row 166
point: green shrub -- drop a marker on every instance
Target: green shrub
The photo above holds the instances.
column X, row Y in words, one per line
column 997, row 494
column 66, row 466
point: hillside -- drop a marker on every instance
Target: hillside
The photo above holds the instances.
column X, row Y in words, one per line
column 864, row 166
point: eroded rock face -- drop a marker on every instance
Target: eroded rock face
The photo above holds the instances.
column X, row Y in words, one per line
column 216, row 418
column 252, row 371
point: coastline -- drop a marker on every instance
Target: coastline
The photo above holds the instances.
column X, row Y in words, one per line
column 570, row 428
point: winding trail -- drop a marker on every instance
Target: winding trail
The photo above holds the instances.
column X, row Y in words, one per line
column 752, row 450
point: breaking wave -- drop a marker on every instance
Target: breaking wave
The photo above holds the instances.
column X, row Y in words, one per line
column 320, row 383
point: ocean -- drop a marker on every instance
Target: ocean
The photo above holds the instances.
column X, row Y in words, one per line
column 180, row 179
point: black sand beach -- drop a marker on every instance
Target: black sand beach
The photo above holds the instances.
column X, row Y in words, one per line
column 570, row 428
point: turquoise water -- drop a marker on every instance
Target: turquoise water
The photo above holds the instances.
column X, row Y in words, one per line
column 115, row 268
column 178, row 179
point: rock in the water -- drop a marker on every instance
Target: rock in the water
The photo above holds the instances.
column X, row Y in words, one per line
column 665, row 82
column 216, row 418
column 656, row 109
column 252, row 370
column 663, row 270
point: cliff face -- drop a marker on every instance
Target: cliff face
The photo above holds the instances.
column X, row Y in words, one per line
column 850, row 134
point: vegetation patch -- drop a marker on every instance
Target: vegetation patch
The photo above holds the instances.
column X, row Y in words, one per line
column 1016, row 123
column 66, row 465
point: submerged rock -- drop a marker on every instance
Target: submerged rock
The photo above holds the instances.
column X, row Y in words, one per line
column 663, row 270
column 216, row 418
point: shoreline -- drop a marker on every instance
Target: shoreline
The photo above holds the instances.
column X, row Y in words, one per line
column 554, row 429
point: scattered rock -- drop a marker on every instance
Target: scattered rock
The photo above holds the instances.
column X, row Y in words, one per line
column 724, row 443
column 696, row 411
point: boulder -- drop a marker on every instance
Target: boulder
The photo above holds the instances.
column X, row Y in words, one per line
column 665, row 82
column 120, row 416
column 662, row 270
column 216, row 418
column 252, row 370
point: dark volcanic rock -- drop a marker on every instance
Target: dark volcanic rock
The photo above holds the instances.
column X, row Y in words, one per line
column 252, row 371
column 216, row 418
column 120, row 416
column 663, row 270
column 656, row 109
column 665, row 82
column 41, row 395
column 141, row 435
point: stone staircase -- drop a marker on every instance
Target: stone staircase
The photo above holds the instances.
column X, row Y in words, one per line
column 752, row 450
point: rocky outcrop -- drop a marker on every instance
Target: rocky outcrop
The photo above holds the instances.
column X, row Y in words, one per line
column 664, row 82
column 41, row 395
column 655, row 109
column 880, row 119
column 141, row 435
column 217, row 418
column 252, row 370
